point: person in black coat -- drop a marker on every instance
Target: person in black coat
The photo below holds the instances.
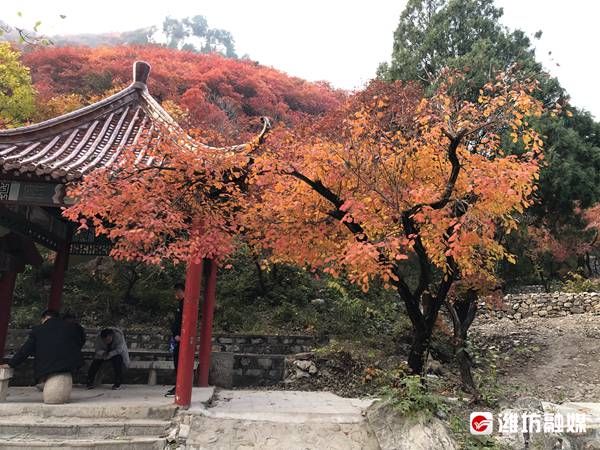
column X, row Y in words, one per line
column 69, row 317
column 176, row 328
column 55, row 345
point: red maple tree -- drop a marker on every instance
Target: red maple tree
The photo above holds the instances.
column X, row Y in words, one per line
column 217, row 92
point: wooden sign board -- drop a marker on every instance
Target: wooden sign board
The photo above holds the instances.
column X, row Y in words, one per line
column 32, row 193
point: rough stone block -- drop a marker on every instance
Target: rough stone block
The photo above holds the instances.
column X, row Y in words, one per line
column 276, row 375
column 265, row 363
column 245, row 362
column 57, row 389
column 221, row 370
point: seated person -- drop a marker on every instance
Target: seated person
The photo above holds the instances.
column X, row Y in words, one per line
column 110, row 346
column 55, row 346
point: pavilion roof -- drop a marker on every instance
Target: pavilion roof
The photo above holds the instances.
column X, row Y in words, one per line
column 69, row 146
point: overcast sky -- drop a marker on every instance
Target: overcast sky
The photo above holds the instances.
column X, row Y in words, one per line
column 340, row 41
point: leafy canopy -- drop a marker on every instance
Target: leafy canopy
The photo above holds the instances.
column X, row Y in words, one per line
column 393, row 175
column 17, row 96
column 467, row 34
column 215, row 92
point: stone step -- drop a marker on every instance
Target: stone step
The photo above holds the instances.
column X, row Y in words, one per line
column 84, row 411
column 132, row 443
column 28, row 426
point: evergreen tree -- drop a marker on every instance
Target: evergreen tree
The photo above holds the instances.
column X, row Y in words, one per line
column 467, row 35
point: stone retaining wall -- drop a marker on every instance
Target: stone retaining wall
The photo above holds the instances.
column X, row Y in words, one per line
column 257, row 370
column 263, row 344
column 235, row 343
column 551, row 304
column 237, row 360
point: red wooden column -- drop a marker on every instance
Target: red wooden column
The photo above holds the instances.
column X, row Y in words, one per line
column 7, row 287
column 58, row 277
column 208, row 310
column 187, row 343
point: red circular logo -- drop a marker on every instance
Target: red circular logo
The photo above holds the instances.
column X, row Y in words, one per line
column 480, row 423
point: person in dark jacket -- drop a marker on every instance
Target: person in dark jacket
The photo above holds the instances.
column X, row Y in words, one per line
column 176, row 328
column 69, row 317
column 55, row 346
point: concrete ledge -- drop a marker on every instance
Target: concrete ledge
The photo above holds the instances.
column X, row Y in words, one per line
column 284, row 407
column 131, row 402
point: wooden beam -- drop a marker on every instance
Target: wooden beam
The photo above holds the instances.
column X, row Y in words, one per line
column 35, row 222
column 61, row 261
column 32, row 193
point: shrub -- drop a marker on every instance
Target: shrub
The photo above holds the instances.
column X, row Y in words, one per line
column 409, row 396
column 579, row 283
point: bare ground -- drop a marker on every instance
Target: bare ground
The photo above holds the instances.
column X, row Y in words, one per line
column 554, row 359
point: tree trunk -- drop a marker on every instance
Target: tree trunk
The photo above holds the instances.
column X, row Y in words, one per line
column 418, row 350
column 465, row 364
column 423, row 323
column 588, row 265
column 462, row 312
column 261, row 279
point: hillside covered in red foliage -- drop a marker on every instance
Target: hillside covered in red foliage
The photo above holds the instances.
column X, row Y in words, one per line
column 224, row 94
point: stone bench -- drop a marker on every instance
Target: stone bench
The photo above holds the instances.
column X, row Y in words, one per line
column 6, row 374
column 152, row 367
column 141, row 359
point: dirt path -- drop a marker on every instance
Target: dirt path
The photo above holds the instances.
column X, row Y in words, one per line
column 555, row 359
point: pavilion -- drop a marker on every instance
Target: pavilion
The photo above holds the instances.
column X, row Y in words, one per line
column 37, row 161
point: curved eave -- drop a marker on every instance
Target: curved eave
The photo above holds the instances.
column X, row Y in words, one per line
column 71, row 119
column 68, row 147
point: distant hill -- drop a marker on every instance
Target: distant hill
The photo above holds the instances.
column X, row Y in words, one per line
column 190, row 33
column 141, row 36
column 212, row 91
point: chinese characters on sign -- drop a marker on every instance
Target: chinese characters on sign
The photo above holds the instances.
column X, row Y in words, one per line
column 510, row 422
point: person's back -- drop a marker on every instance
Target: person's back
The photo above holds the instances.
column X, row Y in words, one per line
column 70, row 318
column 56, row 346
